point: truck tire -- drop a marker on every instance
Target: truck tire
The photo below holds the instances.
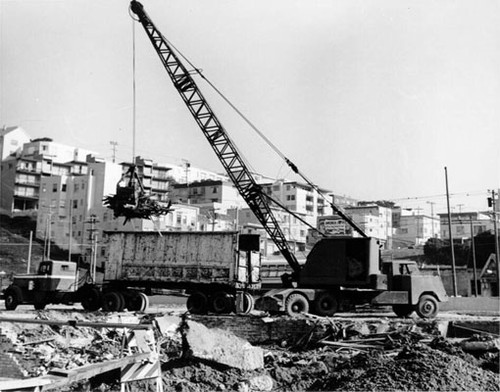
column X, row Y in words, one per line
column 137, row 302
column 13, row 297
column 403, row 310
column 326, row 304
column 91, row 300
column 296, row 304
column 113, row 301
column 427, row 306
column 145, row 302
column 248, row 303
column 222, row 303
column 197, row 303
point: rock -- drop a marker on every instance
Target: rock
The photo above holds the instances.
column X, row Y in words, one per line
column 261, row 383
column 168, row 325
column 475, row 346
column 222, row 347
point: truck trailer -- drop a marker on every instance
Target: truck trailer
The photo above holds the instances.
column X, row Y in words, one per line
column 216, row 269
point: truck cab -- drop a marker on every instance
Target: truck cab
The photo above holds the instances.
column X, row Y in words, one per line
column 50, row 284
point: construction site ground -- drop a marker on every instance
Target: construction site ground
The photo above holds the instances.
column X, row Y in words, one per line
column 370, row 350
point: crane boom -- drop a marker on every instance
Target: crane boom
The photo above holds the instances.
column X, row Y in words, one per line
column 216, row 135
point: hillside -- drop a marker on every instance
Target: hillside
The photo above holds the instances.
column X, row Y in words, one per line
column 14, row 248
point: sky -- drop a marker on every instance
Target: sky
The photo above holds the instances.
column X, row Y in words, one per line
column 371, row 99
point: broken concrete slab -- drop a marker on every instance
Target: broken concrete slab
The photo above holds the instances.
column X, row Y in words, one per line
column 221, row 346
column 168, row 325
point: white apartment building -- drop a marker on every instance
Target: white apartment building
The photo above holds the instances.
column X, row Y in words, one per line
column 293, row 229
column 461, row 223
column 300, row 198
column 186, row 173
column 69, row 203
column 375, row 221
column 415, row 229
column 208, row 191
column 12, row 140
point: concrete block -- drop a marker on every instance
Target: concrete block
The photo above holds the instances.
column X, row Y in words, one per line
column 221, row 346
column 168, row 325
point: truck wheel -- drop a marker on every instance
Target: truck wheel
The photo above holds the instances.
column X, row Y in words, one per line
column 296, row 304
column 145, row 302
column 326, row 305
column 113, row 301
column 248, row 303
column 197, row 303
column 13, row 297
column 91, row 300
column 222, row 302
column 403, row 310
column 137, row 302
column 427, row 306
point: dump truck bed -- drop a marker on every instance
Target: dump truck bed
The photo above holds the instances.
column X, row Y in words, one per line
column 196, row 257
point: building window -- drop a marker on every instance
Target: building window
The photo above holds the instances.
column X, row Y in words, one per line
column 214, row 189
column 54, row 187
column 75, row 188
column 63, row 189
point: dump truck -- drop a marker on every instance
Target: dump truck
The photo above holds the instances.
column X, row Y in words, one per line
column 217, row 270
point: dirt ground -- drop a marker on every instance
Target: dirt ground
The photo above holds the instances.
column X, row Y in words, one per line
column 398, row 360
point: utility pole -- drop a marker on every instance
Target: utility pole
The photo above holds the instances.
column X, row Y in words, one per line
column 473, row 256
column 492, row 203
column 114, row 144
column 417, row 238
column 432, row 217
column 93, row 244
column 453, row 270
column 187, row 166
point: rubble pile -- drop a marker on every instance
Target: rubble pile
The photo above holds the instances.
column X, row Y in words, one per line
column 354, row 357
column 39, row 348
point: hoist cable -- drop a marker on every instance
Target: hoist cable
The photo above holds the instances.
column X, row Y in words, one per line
column 133, row 93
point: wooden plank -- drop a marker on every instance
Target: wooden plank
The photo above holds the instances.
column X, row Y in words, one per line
column 75, row 323
column 89, row 371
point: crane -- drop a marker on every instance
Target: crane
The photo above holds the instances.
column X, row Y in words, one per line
column 217, row 136
column 339, row 271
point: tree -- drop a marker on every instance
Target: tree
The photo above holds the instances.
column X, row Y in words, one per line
column 438, row 251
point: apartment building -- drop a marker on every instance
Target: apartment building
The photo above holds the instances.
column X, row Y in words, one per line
column 71, row 207
column 293, row 229
column 300, row 198
column 415, row 229
column 187, row 173
column 12, row 140
column 21, row 174
column 208, row 191
column 461, row 223
column 375, row 221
